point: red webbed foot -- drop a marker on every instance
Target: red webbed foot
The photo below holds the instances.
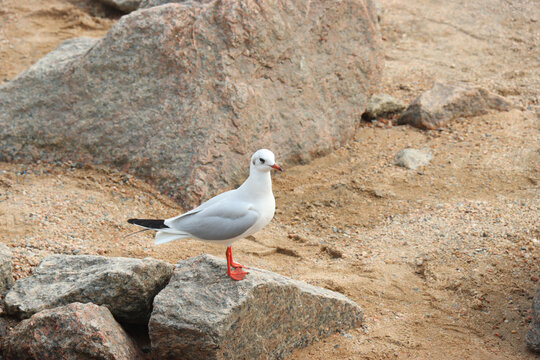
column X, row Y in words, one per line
column 237, row 274
column 237, row 265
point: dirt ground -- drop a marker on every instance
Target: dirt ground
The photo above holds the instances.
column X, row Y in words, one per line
column 444, row 260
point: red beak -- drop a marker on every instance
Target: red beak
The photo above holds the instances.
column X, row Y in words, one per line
column 276, row 166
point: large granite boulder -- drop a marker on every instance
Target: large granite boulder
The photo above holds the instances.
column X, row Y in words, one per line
column 75, row 331
column 434, row 108
column 126, row 286
column 6, row 273
column 532, row 339
column 203, row 314
column 182, row 94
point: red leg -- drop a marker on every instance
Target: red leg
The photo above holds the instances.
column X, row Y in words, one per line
column 235, row 264
column 236, row 274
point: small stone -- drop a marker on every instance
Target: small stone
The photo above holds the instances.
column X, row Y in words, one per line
column 434, row 108
column 382, row 106
column 74, row 331
column 412, row 158
column 333, row 252
column 151, row 3
column 123, row 5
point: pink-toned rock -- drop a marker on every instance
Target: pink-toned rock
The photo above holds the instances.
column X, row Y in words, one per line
column 445, row 102
column 202, row 314
column 182, row 94
column 75, row 331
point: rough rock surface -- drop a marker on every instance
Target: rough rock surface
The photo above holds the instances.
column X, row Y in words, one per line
column 75, row 331
column 181, row 94
column 445, row 102
column 381, row 105
column 126, row 286
column 123, row 5
column 203, row 314
column 412, row 158
column 52, row 66
column 6, row 274
column 151, row 3
column 533, row 335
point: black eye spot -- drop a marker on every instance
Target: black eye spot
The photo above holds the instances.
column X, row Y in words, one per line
column 262, row 160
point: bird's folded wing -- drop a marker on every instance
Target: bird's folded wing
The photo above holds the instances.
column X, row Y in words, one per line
column 222, row 220
column 203, row 206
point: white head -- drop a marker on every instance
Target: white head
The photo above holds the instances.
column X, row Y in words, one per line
column 263, row 160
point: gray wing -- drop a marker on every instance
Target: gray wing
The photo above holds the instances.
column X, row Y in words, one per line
column 202, row 206
column 222, row 220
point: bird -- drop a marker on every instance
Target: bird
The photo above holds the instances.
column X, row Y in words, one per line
column 227, row 217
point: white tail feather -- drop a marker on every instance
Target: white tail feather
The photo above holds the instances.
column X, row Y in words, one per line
column 163, row 237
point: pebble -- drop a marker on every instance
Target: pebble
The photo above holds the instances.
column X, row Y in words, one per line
column 412, row 158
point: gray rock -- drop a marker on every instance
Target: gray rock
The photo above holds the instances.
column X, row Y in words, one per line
column 203, row 314
column 151, row 3
column 444, row 102
column 182, row 94
column 56, row 63
column 123, row 5
column 6, row 273
column 532, row 339
column 75, row 331
column 132, row 5
column 382, row 105
column 412, row 158
column 126, row 286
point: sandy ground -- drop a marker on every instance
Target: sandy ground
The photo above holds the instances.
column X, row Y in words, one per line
column 444, row 260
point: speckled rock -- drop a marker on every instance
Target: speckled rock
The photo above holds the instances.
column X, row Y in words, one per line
column 532, row 338
column 126, row 286
column 151, row 3
column 75, row 331
column 6, row 273
column 182, row 94
column 445, row 102
column 123, row 5
column 382, row 105
column 412, row 158
column 203, row 314
column 52, row 66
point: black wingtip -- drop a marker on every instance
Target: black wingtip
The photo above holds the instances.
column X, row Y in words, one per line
column 149, row 223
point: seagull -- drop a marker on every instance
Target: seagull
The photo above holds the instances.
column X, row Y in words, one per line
column 227, row 217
